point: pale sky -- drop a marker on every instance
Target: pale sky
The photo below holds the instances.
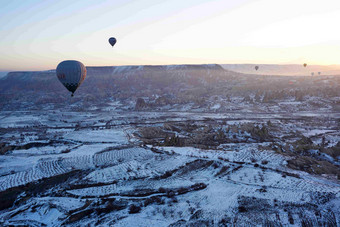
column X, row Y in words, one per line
column 38, row 34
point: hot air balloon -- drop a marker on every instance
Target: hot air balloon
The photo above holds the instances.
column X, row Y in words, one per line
column 319, row 73
column 256, row 67
column 312, row 74
column 112, row 41
column 71, row 74
column 305, row 64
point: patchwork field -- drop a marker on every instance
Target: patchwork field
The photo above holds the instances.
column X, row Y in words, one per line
column 169, row 168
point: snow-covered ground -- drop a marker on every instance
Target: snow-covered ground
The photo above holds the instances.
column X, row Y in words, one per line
column 90, row 168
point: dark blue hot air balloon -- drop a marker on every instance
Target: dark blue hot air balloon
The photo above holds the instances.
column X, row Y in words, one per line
column 112, row 41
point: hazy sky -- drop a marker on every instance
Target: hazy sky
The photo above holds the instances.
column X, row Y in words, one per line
column 38, row 34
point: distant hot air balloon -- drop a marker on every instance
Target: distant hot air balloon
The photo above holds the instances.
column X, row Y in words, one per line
column 256, row 67
column 312, row 74
column 319, row 73
column 305, row 64
column 112, row 41
column 71, row 74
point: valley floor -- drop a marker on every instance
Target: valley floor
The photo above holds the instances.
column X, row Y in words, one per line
column 169, row 168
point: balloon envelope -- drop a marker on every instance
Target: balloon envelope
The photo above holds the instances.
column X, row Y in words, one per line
column 304, row 65
column 256, row 67
column 71, row 74
column 112, row 41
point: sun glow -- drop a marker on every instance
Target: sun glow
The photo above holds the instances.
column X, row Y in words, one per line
column 40, row 34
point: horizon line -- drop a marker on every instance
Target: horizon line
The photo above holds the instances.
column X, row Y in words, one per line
column 8, row 71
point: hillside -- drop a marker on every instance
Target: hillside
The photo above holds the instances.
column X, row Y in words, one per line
column 177, row 83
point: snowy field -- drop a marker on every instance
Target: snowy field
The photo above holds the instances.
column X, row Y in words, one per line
column 100, row 168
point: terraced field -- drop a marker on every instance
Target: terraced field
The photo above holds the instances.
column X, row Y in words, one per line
column 110, row 175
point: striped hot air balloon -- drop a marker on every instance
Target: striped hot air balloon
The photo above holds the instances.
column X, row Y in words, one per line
column 71, row 74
